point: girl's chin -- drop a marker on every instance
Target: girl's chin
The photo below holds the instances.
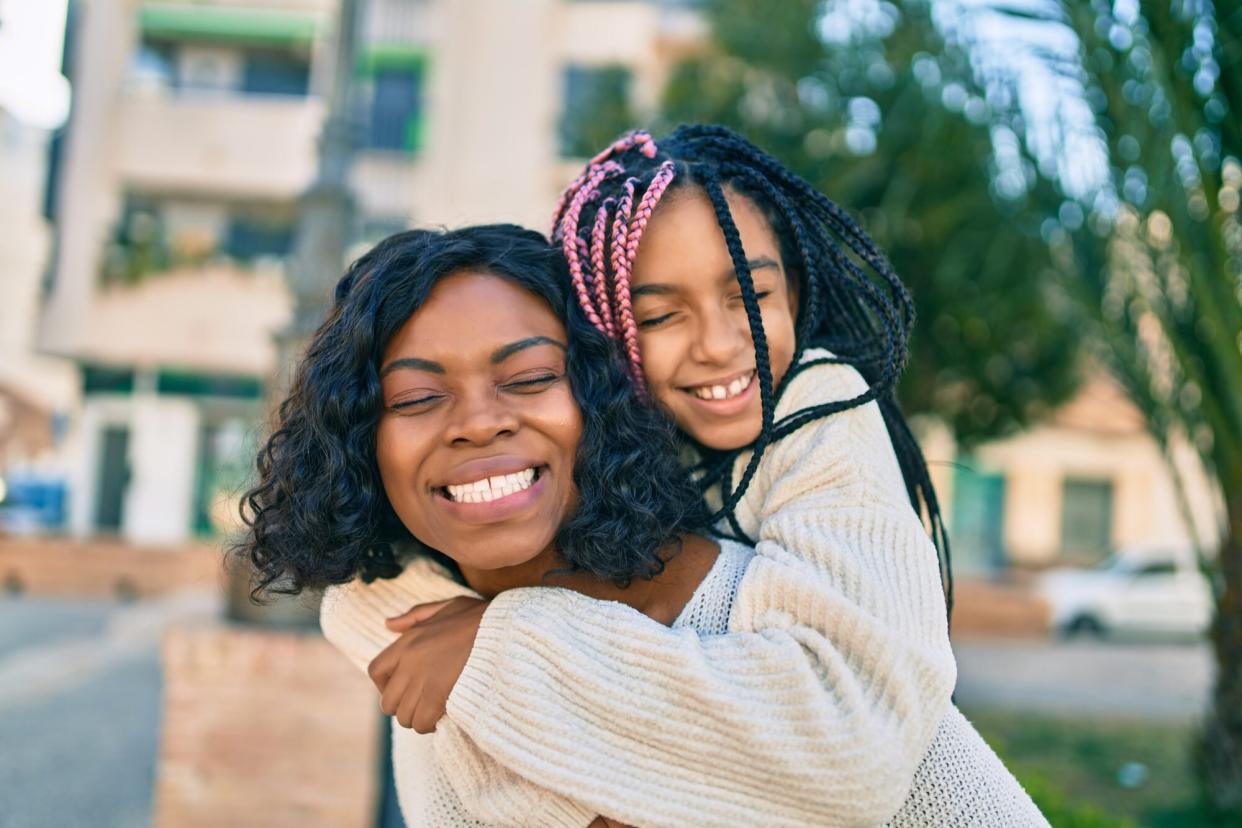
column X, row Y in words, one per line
column 726, row 438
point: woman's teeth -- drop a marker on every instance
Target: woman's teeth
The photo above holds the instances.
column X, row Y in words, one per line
column 723, row 392
column 491, row 488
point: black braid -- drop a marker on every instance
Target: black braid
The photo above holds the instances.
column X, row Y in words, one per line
column 763, row 366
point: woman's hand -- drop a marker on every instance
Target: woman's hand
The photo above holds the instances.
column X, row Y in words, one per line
column 416, row 673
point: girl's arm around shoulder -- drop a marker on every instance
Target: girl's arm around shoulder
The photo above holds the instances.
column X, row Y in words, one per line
column 352, row 615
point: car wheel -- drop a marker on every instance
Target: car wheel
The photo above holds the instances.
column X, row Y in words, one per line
column 1085, row 624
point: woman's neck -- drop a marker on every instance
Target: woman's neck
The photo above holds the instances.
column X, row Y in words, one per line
column 661, row 598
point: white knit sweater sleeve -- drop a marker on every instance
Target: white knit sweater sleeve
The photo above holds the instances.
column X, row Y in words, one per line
column 351, row 617
column 816, row 708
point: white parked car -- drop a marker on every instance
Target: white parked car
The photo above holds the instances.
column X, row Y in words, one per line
column 1154, row 590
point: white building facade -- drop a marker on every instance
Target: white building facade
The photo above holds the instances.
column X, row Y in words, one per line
column 193, row 134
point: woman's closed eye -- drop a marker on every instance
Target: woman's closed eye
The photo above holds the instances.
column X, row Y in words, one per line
column 414, row 403
column 532, row 383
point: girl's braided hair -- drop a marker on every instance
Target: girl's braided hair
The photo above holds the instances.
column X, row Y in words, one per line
column 851, row 303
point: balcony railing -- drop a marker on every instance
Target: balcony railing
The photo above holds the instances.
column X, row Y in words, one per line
column 232, row 145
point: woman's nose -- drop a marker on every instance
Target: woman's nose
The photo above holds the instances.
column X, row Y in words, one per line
column 480, row 420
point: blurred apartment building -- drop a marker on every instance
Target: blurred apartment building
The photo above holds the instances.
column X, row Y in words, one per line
column 1086, row 481
column 194, row 132
column 37, row 393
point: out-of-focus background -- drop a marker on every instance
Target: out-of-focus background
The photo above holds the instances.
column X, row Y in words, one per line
column 181, row 182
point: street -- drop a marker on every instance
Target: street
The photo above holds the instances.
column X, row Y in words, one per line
column 1124, row 679
column 80, row 708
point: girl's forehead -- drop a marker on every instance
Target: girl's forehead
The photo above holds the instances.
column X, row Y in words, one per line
column 684, row 241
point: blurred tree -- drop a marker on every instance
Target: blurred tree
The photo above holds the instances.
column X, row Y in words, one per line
column 1157, row 252
column 869, row 103
column 597, row 108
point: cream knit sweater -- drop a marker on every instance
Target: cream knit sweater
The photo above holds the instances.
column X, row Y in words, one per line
column 815, row 708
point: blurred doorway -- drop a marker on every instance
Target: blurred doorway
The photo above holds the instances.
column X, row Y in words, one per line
column 113, row 478
column 978, row 528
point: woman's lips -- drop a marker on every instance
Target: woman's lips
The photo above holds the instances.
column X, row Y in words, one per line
column 494, row 511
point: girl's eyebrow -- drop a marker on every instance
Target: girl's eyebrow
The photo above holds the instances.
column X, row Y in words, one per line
column 658, row 289
column 499, row 355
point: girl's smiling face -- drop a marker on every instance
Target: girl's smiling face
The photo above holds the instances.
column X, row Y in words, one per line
column 693, row 334
column 480, row 429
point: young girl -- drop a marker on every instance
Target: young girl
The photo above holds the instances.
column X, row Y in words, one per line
column 824, row 699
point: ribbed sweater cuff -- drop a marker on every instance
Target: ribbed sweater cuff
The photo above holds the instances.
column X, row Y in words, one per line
column 472, row 695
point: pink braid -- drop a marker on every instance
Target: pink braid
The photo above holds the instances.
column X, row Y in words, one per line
column 599, row 273
column 621, row 265
column 635, row 138
column 570, row 241
column 625, row 311
column 566, row 194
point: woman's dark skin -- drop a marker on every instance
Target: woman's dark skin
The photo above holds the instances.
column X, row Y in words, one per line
column 465, row 401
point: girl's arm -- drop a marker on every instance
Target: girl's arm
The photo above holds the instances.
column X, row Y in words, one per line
column 352, row 619
column 816, row 708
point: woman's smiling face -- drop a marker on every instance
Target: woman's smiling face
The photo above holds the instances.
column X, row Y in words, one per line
column 480, row 429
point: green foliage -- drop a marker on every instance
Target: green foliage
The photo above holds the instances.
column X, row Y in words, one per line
column 1156, row 252
column 597, row 109
column 1070, row 767
column 883, row 116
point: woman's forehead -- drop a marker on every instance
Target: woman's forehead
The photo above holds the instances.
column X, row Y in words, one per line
column 468, row 310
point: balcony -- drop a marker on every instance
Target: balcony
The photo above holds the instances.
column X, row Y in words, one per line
column 240, row 146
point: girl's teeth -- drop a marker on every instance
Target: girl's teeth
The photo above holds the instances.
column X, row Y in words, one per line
column 492, row 488
column 721, row 392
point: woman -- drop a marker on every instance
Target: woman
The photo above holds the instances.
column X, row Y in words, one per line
column 456, row 405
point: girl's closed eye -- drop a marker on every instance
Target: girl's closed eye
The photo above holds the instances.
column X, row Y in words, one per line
column 654, row 321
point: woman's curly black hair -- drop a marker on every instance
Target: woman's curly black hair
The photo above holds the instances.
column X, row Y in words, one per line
column 319, row 515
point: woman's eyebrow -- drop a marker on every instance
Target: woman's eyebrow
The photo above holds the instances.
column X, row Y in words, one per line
column 412, row 362
column 505, row 351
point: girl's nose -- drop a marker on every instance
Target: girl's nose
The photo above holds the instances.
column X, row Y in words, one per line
column 722, row 335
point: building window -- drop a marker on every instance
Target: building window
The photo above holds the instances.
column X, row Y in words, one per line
column 978, row 519
column 396, row 108
column 596, row 108
column 1086, row 519
column 255, row 234
column 275, row 73
column 154, row 67
column 219, row 68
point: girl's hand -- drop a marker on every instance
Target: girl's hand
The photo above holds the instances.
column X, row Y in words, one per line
column 416, row 673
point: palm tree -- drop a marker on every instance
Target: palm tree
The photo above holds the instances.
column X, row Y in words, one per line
column 1156, row 253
